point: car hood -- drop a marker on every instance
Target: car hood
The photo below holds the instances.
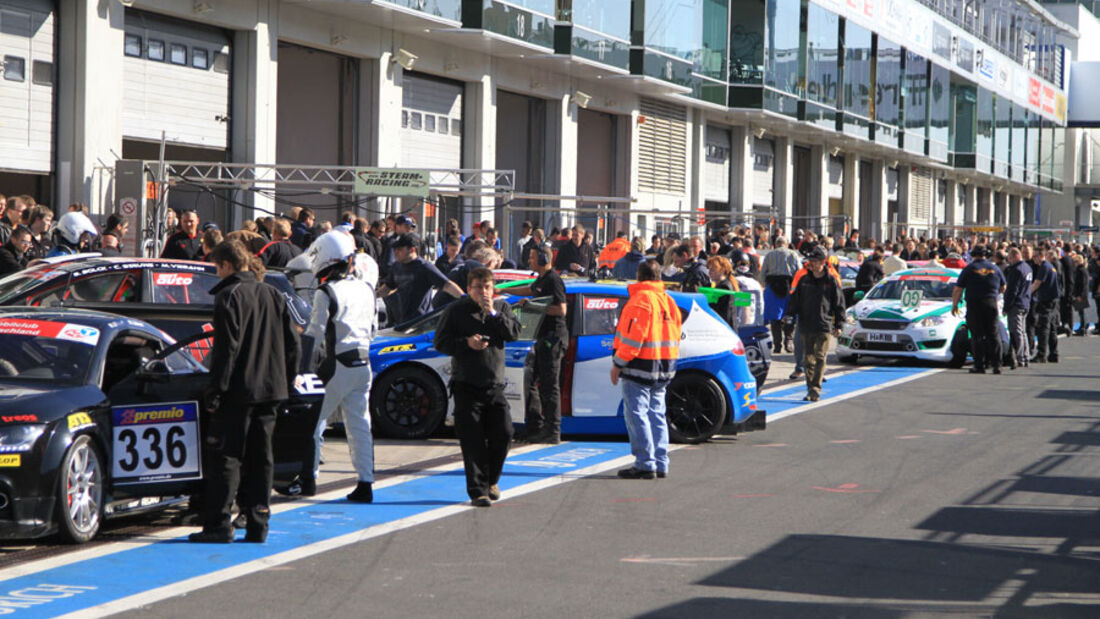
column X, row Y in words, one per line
column 44, row 403
column 890, row 309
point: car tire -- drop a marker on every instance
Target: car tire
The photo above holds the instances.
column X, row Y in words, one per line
column 695, row 408
column 847, row 359
column 80, row 492
column 960, row 347
column 758, row 363
column 408, row 403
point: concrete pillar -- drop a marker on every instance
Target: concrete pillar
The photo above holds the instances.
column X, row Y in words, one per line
column 951, row 206
column 819, row 191
column 851, row 185
column 89, row 98
column 1000, row 209
column 783, row 198
column 480, row 141
column 386, row 94
column 904, row 216
column 255, row 93
column 697, row 151
column 982, row 206
column 970, row 206
column 741, row 164
column 871, row 225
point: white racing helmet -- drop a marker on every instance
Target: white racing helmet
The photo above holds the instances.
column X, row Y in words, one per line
column 329, row 249
column 74, row 224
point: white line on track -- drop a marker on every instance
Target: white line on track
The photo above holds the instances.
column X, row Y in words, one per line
column 851, row 394
column 175, row 532
column 220, row 576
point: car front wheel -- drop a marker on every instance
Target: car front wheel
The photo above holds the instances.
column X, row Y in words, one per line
column 696, row 408
column 408, row 403
column 960, row 346
column 80, row 492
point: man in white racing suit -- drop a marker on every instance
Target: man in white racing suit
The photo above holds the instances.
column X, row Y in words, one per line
column 342, row 325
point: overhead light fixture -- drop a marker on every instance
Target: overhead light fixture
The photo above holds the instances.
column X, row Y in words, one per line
column 759, row 132
column 405, row 58
column 126, row 2
column 582, row 99
column 201, row 8
column 835, row 151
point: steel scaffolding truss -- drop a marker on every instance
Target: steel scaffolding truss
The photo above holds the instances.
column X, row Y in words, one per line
column 335, row 180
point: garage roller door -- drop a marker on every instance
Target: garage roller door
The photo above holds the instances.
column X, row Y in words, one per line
column 716, row 165
column 26, row 85
column 176, row 80
column 431, row 123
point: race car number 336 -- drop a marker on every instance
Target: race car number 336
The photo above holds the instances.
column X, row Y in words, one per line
column 156, row 442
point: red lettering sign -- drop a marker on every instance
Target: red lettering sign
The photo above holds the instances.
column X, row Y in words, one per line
column 1033, row 87
column 172, row 279
column 601, row 304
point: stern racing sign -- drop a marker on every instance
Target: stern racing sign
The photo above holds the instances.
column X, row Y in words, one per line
column 392, row 182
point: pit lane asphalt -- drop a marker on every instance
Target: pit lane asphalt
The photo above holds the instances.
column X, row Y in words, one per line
column 953, row 494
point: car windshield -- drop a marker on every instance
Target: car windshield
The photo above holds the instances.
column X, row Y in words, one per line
column 848, row 272
column 47, row 352
column 931, row 287
column 18, row 284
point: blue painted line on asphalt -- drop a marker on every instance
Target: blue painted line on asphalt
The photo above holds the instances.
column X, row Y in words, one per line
column 776, row 402
column 85, row 584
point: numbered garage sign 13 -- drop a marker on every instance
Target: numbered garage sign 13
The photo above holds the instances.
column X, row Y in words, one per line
column 156, row 442
column 910, row 299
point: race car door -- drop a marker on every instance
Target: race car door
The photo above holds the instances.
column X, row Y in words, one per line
column 154, row 393
column 593, row 394
column 517, row 353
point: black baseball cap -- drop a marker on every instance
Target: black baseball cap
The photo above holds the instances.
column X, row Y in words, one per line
column 817, row 253
column 404, row 220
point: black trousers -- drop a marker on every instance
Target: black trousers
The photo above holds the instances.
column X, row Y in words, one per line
column 1030, row 325
column 542, row 413
column 985, row 341
column 239, row 457
column 483, row 424
column 1065, row 307
column 1046, row 329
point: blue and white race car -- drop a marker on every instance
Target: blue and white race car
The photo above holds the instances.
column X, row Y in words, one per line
column 908, row 314
column 713, row 390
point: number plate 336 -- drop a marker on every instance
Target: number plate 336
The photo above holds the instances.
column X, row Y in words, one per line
column 156, row 442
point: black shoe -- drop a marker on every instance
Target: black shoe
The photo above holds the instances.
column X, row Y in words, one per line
column 211, row 537
column 998, row 370
column 662, row 474
column 795, row 374
column 256, row 536
column 240, row 522
column 363, row 493
column 789, row 346
column 633, row 473
column 481, row 501
column 1079, row 333
column 308, row 486
column 809, row 397
column 977, row 370
column 1052, row 359
column 548, row 439
column 494, row 492
column 1039, row 360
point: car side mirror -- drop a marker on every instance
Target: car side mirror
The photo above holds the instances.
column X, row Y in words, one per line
column 858, row 296
column 153, row 371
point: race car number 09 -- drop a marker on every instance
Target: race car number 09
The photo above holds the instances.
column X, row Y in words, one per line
column 158, row 442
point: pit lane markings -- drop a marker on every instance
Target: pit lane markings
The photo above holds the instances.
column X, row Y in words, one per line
column 164, row 566
column 834, row 384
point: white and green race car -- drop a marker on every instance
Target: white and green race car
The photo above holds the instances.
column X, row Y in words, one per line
column 908, row 314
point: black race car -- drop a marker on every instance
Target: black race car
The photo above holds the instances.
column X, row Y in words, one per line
column 100, row 415
column 171, row 294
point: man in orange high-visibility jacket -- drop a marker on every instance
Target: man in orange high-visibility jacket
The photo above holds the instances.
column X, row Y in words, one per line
column 647, row 344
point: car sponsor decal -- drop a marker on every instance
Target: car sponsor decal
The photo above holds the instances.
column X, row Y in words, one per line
column 19, row 418
column 173, row 279
column 309, row 384
column 601, row 303
column 79, row 421
column 925, row 277
column 11, row 460
column 397, row 348
column 156, row 442
column 56, row 330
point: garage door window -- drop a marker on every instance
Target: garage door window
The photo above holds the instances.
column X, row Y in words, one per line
column 133, row 46
column 200, row 58
column 179, row 54
column 15, row 69
column 43, row 73
column 156, row 50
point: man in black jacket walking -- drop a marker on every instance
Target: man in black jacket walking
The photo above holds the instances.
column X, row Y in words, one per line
column 253, row 365
column 818, row 304
column 473, row 331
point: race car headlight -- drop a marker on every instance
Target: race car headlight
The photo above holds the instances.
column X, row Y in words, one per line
column 850, row 316
column 931, row 321
column 15, row 439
